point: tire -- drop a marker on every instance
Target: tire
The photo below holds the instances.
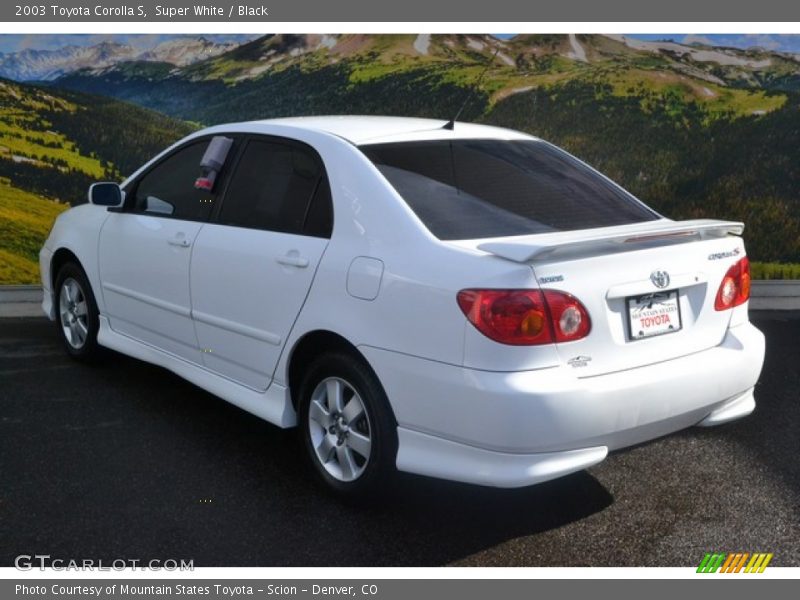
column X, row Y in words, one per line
column 359, row 438
column 77, row 317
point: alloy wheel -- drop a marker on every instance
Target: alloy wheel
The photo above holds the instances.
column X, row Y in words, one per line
column 339, row 429
column 74, row 313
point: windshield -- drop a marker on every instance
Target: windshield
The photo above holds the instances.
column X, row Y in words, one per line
column 467, row 189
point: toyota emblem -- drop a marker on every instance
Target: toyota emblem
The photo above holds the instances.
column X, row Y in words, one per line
column 660, row 279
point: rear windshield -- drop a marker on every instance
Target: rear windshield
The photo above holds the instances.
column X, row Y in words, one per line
column 466, row 189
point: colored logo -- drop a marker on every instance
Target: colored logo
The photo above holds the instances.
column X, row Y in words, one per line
column 735, row 562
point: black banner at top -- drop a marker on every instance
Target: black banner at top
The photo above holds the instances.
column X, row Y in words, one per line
column 476, row 11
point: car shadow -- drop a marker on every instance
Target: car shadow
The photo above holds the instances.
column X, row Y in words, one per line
column 272, row 512
column 772, row 432
column 126, row 460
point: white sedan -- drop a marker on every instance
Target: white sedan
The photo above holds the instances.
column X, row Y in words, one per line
column 458, row 301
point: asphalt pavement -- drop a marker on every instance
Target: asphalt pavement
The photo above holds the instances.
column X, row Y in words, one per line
column 126, row 460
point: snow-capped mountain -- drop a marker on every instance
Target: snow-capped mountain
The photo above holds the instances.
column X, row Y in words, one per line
column 47, row 65
column 31, row 64
column 185, row 51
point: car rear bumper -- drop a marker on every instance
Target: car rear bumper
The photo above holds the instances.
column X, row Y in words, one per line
column 520, row 428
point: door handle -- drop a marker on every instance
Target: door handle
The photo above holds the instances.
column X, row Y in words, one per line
column 181, row 242
column 292, row 260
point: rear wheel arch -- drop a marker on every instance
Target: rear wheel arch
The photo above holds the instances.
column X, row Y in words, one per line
column 311, row 346
column 346, row 424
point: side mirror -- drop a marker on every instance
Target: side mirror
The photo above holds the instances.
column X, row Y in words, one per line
column 105, row 194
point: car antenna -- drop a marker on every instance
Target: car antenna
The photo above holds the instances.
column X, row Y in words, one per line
column 451, row 124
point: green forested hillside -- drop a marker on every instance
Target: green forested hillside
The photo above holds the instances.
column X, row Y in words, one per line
column 744, row 169
column 693, row 131
column 53, row 145
column 25, row 220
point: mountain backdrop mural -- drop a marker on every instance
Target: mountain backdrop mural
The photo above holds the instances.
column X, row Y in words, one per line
column 693, row 130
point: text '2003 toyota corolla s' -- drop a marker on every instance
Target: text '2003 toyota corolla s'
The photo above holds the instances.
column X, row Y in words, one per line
column 459, row 301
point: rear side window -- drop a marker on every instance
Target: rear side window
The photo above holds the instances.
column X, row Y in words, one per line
column 168, row 188
column 274, row 187
column 319, row 220
column 466, row 189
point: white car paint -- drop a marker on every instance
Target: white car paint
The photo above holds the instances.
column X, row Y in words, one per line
column 143, row 263
column 225, row 307
column 244, row 332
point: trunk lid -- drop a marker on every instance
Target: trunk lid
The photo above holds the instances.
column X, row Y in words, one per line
column 605, row 268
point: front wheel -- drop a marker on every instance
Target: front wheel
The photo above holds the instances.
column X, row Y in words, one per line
column 76, row 314
column 347, row 427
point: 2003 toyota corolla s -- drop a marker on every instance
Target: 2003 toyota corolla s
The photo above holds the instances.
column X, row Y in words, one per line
column 460, row 301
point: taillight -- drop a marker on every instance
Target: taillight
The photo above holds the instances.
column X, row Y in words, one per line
column 525, row 317
column 569, row 317
column 735, row 287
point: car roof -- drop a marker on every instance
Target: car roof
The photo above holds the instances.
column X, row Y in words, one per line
column 373, row 129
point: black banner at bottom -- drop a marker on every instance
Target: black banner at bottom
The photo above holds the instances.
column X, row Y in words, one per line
column 391, row 589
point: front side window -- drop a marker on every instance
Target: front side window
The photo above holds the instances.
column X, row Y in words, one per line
column 279, row 186
column 469, row 189
column 168, row 188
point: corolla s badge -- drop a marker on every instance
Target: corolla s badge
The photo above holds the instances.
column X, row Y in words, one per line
column 660, row 279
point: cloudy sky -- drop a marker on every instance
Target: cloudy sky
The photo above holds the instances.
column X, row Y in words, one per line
column 784, row 43
column 14, row 43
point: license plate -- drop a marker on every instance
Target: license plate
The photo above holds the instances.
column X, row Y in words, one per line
column 653, row 314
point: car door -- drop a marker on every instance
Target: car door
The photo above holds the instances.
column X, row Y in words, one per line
column 252, row 269
column 145, row 251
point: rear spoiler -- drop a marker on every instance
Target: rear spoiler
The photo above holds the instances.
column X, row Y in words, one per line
column 608, row 239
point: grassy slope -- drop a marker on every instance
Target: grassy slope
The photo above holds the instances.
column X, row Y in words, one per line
column 26, row 136
column 270, row 65
column 53, row 144
column 25, row 220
